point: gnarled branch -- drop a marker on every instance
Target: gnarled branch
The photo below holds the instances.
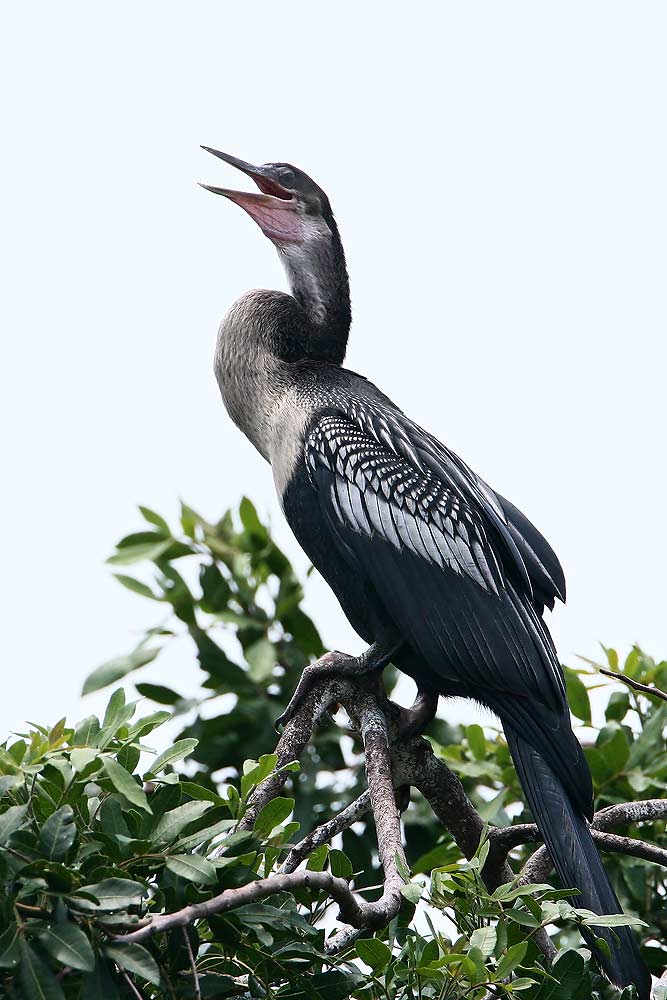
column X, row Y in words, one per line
column 392, row 762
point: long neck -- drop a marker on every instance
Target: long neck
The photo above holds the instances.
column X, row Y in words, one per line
column 318, row 281
column 259, row 340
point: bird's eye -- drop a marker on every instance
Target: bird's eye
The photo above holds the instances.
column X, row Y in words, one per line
column 287, row 176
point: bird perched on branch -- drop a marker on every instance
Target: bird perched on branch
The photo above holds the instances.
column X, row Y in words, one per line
column 436, row 571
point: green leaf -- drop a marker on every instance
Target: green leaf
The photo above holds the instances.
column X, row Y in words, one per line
column 58, row 833
column 523, row 918
column 159, row 693
column 254, row 772
column 136, row 586
column 148, row 723
column 111, row 894
column 86, row 731
column 334, row 984
column 484, row 938
column 153, row 518
column 618, row 706
column 141, row 551
column 272, row 815
column 613, row 743
column 8, row 781
column 113, row 670
column 577, row 695
column 81, row 757
column 412, row 892
column 318, row 858
column 10, row 954
column 111, row 817
column 614, row 920
column 37, row 980
column 173, row 822
column 572, row 981
column 251, row 521
column 215, row 589
column 134, row 958
column 506, row 893
column 401, row 865
column 194, row 840
column 193, row 867
column 11, row 820
column 124, row 783
column 201, row 792
column 476, row 741
column 261, row 659
column 513, row 957
column 118, row 712
column 102, row 982
column 373, row 952
column 67, row 944
column 177, row 751
column 340, row 864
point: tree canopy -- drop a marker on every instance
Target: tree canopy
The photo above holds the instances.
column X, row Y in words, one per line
column 218, row 867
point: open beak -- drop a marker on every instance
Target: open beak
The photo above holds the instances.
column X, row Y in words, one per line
column 274, row 209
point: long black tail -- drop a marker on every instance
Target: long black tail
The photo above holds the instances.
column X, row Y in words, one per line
column 577, row 861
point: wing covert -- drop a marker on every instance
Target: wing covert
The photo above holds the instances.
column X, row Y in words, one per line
column 376, row 492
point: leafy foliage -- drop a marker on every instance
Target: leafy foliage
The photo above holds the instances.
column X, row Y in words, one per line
column 97, row 831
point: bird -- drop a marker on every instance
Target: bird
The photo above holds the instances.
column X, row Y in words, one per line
column 434, row 570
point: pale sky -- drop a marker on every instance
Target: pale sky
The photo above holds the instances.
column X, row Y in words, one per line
column 498, row 174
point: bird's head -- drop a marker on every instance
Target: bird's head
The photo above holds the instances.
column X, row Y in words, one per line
column 290, row 208
column 295, row 214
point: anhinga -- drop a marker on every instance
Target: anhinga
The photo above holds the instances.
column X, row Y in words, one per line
column 433, row 569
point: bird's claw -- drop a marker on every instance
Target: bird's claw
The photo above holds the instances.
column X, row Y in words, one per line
column 414, row 720
column 321, row 668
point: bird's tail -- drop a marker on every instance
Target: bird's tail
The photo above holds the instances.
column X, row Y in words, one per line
column 576, row 859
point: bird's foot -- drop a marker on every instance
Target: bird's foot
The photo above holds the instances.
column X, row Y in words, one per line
column 414, row 720
column 375, row 658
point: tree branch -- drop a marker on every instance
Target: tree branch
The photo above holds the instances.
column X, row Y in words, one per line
column 649, row 689
column 539, row 865
column 193, row 964
column 324, row 833
column 646, row 810
column 351, row 909
column 506, row 839
column 391, row 763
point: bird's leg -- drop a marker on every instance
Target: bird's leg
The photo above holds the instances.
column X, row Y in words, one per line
column 414, row 720
column 375, row 658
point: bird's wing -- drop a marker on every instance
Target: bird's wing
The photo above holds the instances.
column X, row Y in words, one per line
column 435, row 544
column 545, row 571
column 525, row 554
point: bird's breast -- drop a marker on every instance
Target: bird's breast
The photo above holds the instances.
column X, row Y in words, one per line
column 289, row 421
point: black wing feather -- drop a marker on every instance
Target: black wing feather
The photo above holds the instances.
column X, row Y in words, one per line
column 417, row 537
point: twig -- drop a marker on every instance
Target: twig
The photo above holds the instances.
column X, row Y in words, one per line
column 324, row 833
column 129, row 982
column 635, row 685
column 193, row 965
